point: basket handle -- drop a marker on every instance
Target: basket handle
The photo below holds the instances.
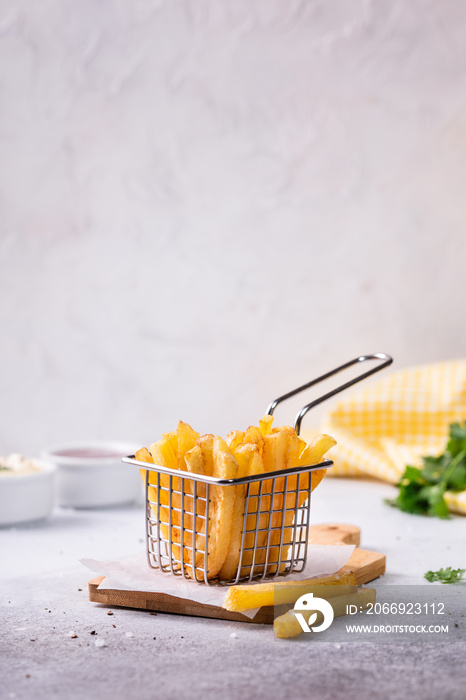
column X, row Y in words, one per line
column 385, row 361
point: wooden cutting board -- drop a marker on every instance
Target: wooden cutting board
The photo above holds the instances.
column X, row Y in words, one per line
column 366, row 566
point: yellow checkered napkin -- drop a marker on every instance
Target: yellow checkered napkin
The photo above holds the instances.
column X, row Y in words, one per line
column 392, row 423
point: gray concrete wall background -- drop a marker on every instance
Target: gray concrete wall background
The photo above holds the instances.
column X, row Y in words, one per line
column 202, row 205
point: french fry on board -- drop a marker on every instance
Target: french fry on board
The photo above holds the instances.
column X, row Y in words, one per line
column 287, row 626
column 249, row 597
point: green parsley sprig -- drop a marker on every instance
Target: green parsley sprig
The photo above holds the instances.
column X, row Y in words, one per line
column 447, row 575
column 422, row 490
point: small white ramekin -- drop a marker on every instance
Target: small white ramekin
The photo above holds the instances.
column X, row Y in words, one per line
column 27, row 497
column 97, row 481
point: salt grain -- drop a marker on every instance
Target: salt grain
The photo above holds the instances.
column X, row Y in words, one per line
column 233, row 634
column 129, row 634
column 100, row 643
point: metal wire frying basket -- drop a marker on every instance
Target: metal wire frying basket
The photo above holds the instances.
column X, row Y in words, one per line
column 271, row 530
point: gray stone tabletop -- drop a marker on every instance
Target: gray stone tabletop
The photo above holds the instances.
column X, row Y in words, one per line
column 54, row 643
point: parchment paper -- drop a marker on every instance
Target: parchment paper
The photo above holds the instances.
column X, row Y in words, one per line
column 134, row 574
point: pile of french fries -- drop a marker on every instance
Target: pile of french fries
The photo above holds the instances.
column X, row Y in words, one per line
column 258, row 450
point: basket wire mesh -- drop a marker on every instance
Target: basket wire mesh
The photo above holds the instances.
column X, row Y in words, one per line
column 274, row 523
column 274, row 528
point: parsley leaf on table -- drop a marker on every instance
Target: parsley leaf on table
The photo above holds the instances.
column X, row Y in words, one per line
column 447, row 575
column 421, row 490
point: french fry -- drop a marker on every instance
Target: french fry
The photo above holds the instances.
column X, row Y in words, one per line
column 290, row 504
column 243, row 456
column 165, row 453
column 221, row 506
column 194, row 461
column 249, row 463
column 143, row 455
column 249, row 597
column 195, row 465
column 206, row 447
column 265, row 425
column 186, row 440
column 275, row 458
column 313, row 454
column 287, row 626
column 200, row 460
column 254, row 436
column 206, row 443
column 234, row 439
column 274, row 453
column 284, row 512
column 252, row 523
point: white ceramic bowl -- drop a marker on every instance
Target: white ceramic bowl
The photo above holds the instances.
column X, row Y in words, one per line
column 27, row 497
column 92, row 475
